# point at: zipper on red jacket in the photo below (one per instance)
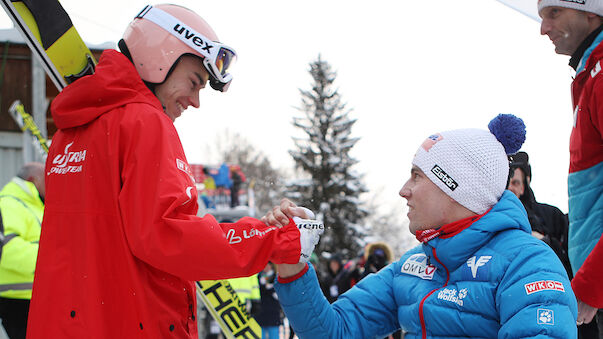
(423, 329)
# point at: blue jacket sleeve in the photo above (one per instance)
(536, 299)
(367, 310)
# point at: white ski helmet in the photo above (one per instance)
(159, 35)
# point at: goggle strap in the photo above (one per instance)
(143, 12)
(189, 36)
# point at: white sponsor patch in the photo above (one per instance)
(417, 265)
(544, 285)
(184, 167)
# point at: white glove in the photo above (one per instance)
(310, 231)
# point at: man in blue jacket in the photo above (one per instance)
(478, 272)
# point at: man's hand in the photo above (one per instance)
(279, 216)
(309, 230)
(586, 313)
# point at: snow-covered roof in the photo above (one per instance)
(13, 35)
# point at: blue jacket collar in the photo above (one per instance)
(507, 214)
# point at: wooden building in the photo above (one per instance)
(23, 78)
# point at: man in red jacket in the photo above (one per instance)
(576, 29)
(121, 244)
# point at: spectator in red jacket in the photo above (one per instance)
(576, 29)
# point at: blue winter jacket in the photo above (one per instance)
(492, 280)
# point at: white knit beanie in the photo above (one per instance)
(471, 165)
(592, 6)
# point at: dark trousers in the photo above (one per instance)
(14, 316)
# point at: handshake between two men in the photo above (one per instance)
(310, 231)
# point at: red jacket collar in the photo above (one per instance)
(448, 230)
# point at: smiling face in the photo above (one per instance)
(567, 27)
(181, 88)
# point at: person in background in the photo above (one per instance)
(338, 279)
(270, 316)
(576, 30)
(238, 178)
(21, 212)
(223, 184)
(377, 255)
(548, 223)
(209, 190)
(478, 272)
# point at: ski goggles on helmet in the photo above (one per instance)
(217, 57)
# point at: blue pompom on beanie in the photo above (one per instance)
(471, 165)
(509, 130)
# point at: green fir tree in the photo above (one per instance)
(330, 186)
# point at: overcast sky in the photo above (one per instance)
(408, 69)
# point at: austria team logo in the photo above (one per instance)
(474, 264)
(68, 162)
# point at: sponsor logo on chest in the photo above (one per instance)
(451, 295)
(475, 263)
(71, 161)
(417, 265)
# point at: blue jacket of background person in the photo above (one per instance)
(222, 178)
(492, 280)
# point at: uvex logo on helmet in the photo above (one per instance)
(187, 34)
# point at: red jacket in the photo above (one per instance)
(585, 181)
(121, 244)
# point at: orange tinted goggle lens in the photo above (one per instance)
(224, 60)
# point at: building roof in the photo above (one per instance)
(12, 35)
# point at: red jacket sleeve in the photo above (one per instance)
(158, 203)
(587, 281)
